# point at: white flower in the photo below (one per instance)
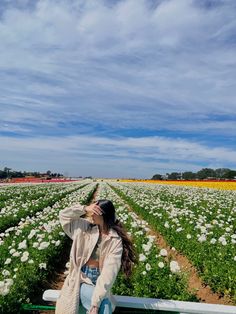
(41, 235)
(174, 267)
(8, 261)
(203, 229)
(202, 238)
(43, 266)
(4, 291)
(166, 225)
(142, 257)
(30, 261)
(221, 239)
(148, 267)
(32, 233)
(25, 256)
(151, 238)
(35, 244)
(213, 241)
(43, 245)
(163, 252)
(189, 236)
(5, 286)
(235, 258)
(161, 265)
(5, 273)
(16, 254)
(134, 224)
(144, 273)
(22, 245)
(9, 282)
(57, 243)
(147, 247)
(12, 251)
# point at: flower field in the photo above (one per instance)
(156, 275)
(200, 223)
(18, 202)
(213, 184)
(28, 250)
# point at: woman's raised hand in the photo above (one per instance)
(93, 209)
(93, 310)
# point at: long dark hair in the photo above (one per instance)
(129, 256)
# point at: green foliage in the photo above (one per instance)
(214, 261)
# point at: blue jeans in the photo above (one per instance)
(86, 291)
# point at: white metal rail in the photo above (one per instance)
(159, 304)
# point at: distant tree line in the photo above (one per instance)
(8, 173)
(205, 173)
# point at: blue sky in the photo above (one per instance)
(124, 88)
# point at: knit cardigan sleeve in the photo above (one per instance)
(70, 219)
(108, 274)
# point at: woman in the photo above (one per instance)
(99, 249)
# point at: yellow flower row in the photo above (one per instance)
(222, 185)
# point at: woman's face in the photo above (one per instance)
(97, 219)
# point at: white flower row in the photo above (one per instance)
(137, 227)
(25, 242)
(190, 212)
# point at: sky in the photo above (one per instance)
(117, 88)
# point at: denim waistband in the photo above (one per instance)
(91, 272)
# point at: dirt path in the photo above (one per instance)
(60, 275)
(195, 283)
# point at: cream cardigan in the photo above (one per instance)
(85, 236)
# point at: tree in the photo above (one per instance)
(206, 173)
(7, 170)
(221, 172)
(174, 176)
(157, 177)
(231, 174)
(3, 174)
(188, 175)
(48, 173)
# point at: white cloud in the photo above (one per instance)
(131, 156)
(120, 65)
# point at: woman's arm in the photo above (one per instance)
(108, 275)
(70, 217)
